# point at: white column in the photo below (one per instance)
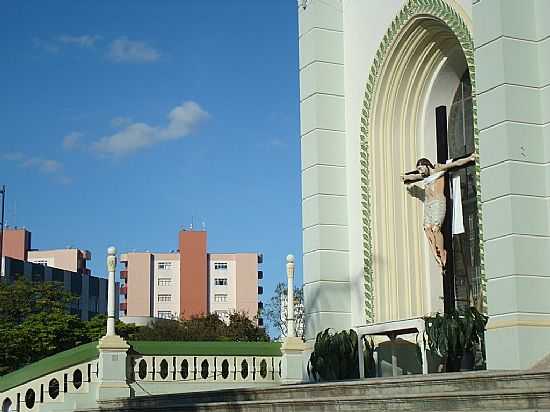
(291, 332)
(292, 370)
(111, 267)
(112, 348)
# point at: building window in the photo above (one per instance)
(164, 265)
(220, 265)
(165, 298)
(165, 281)
(220, 281)
(219, 298)
(42, 262)
(164, 314)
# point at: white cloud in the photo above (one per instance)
(49, 167)
(182, 121)
(72, 141)
(122, 50)
(86, 40)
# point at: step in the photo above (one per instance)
(522, 386)
(504, 400)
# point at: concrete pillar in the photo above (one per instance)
(327, 287)
(513, 79)
(292, 347)
(112, 348)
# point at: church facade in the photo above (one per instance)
(384, 83)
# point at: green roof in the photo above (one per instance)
(207, 348)
(54, 363)
(89, 351)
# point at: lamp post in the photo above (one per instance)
(290, 331)
(292, 362)
(112, 348)
(111, 267)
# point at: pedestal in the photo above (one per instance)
(292, 362)
(112, 369)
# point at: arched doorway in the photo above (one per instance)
(424, 59)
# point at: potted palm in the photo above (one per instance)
(455, 336)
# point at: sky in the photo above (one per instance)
(123, 122)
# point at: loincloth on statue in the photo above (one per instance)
(434, 211)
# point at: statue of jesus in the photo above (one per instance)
(434, 201)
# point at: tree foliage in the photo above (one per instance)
(204, 328)
(274, 309)
(35, 322)
(96, 328)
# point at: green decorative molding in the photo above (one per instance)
(445, 13)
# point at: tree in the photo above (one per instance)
(96, 328)
(275, 310)
(35, 323)
(207, 327)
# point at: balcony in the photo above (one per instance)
(124, 290)
(124, 274)
(260, 305)
(260, 258)
(260, 290)
(260, 321)
(124, 306)
(260, 274)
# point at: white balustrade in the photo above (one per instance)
(77, 384)
(53, 388)
(207, 369)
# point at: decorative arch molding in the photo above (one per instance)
(443, 12)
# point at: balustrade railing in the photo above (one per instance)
(214, 369)
(50, 389)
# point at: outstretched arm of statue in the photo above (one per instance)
(411, 177)
(458, 163)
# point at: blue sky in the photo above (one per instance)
(125, 121)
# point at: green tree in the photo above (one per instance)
(96, 328)
(35, 323)
(207, 327)
(242, 328)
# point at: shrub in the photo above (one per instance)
(334, 356)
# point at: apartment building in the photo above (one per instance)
(66, 266)
(189, 282)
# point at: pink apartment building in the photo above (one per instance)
(189, 282)
(17, 245)
(65, 266)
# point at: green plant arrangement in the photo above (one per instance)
(455, 335)
(334, 356)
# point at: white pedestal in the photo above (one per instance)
(112, 369)
(292, 362)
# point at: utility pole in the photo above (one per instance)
(3, 192)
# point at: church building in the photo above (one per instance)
(384, 83)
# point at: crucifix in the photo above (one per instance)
(438, 204)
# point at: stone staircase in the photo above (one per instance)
(470, 391)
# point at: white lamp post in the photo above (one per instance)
(111, 268)
(292, 370)
(112, 348)
(290, 331)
